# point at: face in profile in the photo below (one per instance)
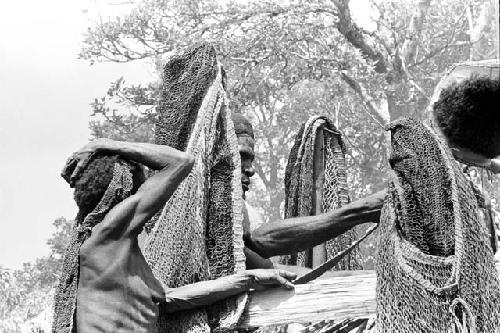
(246, 148)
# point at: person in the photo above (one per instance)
(467, 115)
(116, 289)
(287, 236)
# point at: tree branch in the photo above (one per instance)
(414, 32)
(354, 35)
(262, 174)
(382, 117)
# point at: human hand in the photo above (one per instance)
(262, 279)
(79, 159)
(494, 166)
(370, 207)
(467, 156)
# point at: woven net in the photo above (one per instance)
(198, 235)
(299, 187)
(65, 298)
(435, 267)
(186, 79)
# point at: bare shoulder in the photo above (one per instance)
(114, 225)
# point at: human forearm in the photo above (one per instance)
(253, 260)
(300, 233)
(153, 156)
(206, 292)
(209, 292)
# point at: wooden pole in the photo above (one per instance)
(318, 252)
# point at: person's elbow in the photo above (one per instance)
(259, 242)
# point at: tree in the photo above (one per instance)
(28, 292)
(288, 60)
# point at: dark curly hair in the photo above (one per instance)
(93, 182)
(468, 114)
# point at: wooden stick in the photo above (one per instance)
(317, 272)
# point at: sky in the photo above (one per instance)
(45, 92)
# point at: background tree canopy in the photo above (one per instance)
(26, 295)
(287, 60)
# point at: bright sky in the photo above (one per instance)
(45, 93)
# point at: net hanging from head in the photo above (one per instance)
(300, 188)
(119, 188)
(435, 267)
(198, 235)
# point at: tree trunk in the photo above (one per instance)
(275, 189)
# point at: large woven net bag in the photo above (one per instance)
(198, 235)
(435, 266)
(300, 188)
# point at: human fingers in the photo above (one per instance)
(283, 282)
(290, 276)
(83, 160)
(69, 167)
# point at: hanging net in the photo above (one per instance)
(198, 235)
(435, 266)
(300, 188)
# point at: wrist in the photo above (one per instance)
(244, 280)
(106, 146)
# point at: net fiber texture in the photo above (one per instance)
(198, 235)
(435, 267)
(65, 298)
(299, 186)
(186, 80)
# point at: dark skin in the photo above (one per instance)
(246, 145)
(286, 236)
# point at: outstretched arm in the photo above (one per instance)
(469, 157)
(129, 216)
(297, 234)
(208, 292)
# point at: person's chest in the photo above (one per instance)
(117, 289)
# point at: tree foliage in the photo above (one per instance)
(26, 294)
(288, 60)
